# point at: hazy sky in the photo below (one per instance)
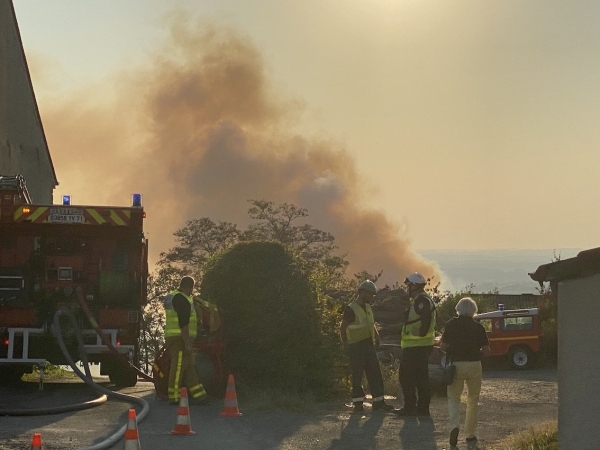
(470, 123)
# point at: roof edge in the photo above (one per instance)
(586, 263)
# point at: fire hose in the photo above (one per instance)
(111, 440)
(87, 378)
(105, 340)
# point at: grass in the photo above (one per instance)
(391, 382)
(50, 372)
(544, 437)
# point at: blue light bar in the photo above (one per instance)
(66, 200)
(136, 200)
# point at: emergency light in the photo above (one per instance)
(136, 200)
(66, 200)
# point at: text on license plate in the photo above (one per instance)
(67, 218)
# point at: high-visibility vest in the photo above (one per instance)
(413, 324)
(172, 321)
(363, 326)
(211, 318)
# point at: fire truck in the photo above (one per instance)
(89, 259)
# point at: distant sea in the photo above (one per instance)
(505, 270)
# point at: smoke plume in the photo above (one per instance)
(199, 131)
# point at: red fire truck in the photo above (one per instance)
(90, 259)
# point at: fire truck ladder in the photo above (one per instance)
(24, 358)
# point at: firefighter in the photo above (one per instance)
(360, 338)
(180, 332)
(417, 337)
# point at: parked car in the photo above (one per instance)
(514, 334)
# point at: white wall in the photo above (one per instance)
(579, 363)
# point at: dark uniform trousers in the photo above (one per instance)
(414, 377)
(363, 359)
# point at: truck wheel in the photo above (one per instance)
(520, 357)
(11, 375)
(214, 384)
(123, 378)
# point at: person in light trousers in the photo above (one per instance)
(465, 342)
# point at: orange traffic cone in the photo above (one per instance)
(36, 442)
(132, 438)
(183, 426)
(231, 405)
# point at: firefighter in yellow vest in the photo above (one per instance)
(360, 337)
(180, 332)
(417, 338)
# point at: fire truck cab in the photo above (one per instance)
(90, 258)
(514, 334)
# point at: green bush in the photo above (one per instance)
(271, 326)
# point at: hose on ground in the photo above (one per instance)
(63, 408)
(55, 409)
(111, 440)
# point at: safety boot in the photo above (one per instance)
(405, 412)
(382, 406)
(357, 407)
(202, 400)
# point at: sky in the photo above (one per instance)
(400, 125)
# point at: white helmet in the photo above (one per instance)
(415, 278)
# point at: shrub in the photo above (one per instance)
(271, 328)
(544, 437)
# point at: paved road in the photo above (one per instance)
(511, 401)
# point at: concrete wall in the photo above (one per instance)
(23, 148)
(579, 363)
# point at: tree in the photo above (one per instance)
(197, 241)
(153, 324)
(313, 251)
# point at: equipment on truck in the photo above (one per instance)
(90, 259)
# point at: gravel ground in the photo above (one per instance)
(511, 401)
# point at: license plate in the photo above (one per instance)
(66, 215)
(63, 218)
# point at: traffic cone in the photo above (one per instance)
(132, 438)
(183, 426)
(36, 442)
(231, 405)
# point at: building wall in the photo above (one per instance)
(23, 148)
(579, 363)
